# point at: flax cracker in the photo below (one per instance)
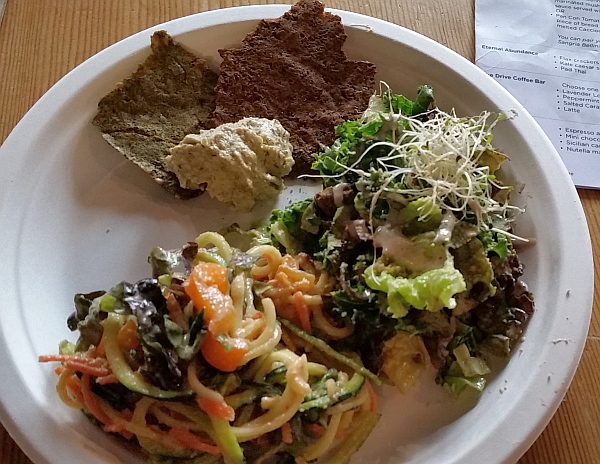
(294, 69)
(169, 96)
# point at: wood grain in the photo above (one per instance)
(40, 41)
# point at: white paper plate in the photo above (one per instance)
(74, 216)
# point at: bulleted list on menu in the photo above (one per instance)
(547, 54)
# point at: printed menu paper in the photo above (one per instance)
(546, 53)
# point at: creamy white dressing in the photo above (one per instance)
(444, 232)
(402, 250)
(338, 195)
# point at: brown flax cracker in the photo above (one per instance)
(293, 69)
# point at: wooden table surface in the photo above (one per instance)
(41, 40)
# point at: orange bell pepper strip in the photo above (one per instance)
(372, 396)
(127, 336)
(226, 359)
(303, 311)
(217, 409)
(211, 274)
(208, 289)
(186, 438)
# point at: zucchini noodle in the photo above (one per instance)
(191, 419)
(271, 259)
(198, 387)
(346, 421)
(213, 238)
(198, 420)
(321, 446)
(284, 357)
(137, 426)
(249, 296)
(354, 402)
(63, 391)
(270, 336)
(284, 408)
(280, 357)
(242, 294)
(146, 436)
(251, 328)
(141, 410)
(167, 419)
(328, 328)
(313, 300)
(262, 393)
(237, 291)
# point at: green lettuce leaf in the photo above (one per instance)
(430, 291)
(330, 253)
(472, 261)
(353, 138)
(164, 261)
(492, 159)
(420, 215)
(294, 227)
(495, 243)
(455, 380)
(456, 384)
(399, 103)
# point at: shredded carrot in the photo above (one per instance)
(59, 369)
(176, 312)
(286, 433)
(303, 312)
(261, 440)
(74, 386)
(96, 406)
(280, 279)
(288, 311)
(100, 351)
(372, 396)
(341, 434)
(316, 429)
(127, 336)
(127, 414)
(218, 409)
(97, 367)
(118, 427)
(86, 368)
(287, 340)
(192, 441)
(71, 357)
(92, 403)
(107, 379)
